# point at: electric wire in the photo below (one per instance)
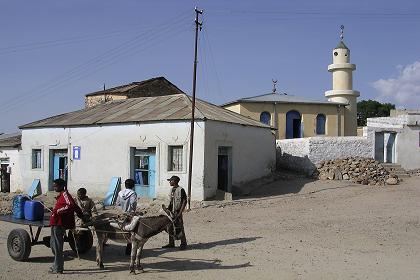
(128, 48)
(110, 54)
(61, 42)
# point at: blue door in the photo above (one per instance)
(60, 165)
(144, 172)
(293, 125)
(56, 167)
(152, 172)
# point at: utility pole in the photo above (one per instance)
(198, 26)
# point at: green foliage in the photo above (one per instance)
(372, 109)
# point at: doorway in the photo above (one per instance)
(293, 124)
(224, 169)
(379, 146)
(385, 147)
(5, 177)
(143, 171)
(58, 166)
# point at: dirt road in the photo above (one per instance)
(303, 230)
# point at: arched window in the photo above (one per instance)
(320, 124)
(293, 125)
(265, 117)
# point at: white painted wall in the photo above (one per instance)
(408, 148)
(15, 175)
(407, 143)
(105, 152)
(253, 153)
(303, 154)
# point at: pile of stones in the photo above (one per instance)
(363, 171)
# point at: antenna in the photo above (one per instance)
(342, 32)
(274, 85)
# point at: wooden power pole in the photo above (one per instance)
(198, 26)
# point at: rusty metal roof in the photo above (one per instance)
(10, 140)
(145, 109)
(151, 87)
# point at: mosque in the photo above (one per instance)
(297, 117)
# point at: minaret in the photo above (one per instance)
(342, 91)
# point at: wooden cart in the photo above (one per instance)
(20, 242)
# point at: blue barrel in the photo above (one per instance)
(34, 210)
(18, 206)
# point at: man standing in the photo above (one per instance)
(62, 218)
(178, 201)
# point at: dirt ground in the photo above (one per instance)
(302, 230)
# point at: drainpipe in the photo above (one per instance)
(69, 155)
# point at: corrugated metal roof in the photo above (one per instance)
(282, 98)
(12, 140)
(151, 87)
(144, 109)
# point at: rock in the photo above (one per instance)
(323, 177)
(391, 181)
(330, 175)
(338, 175)
(346, 177)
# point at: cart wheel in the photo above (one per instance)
(19, 244)
(84, 240)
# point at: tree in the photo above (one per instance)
(372, 109)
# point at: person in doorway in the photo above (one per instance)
(178, 201)
(86, 204)
(62, 218)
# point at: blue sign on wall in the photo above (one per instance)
(76, 152)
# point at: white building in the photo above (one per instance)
(147, 139)
(396, 138)
(9, 162)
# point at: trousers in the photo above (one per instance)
(56, 243)
(179, 232)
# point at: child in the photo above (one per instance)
(86, 204)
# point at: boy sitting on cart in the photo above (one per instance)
(87, 205)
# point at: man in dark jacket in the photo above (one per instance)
(62, 218)
(178, 201)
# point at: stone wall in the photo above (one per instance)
(304, 153)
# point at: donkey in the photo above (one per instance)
(146, 228)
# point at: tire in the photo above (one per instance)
(19, 244)
(84, 240)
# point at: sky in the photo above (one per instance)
(52, 53)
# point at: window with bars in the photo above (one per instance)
(175, 158)
(36, 158)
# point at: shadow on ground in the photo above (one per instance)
(278, 183)
(115, 260)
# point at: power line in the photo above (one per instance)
(108, 58)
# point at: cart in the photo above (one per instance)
(20, 242)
